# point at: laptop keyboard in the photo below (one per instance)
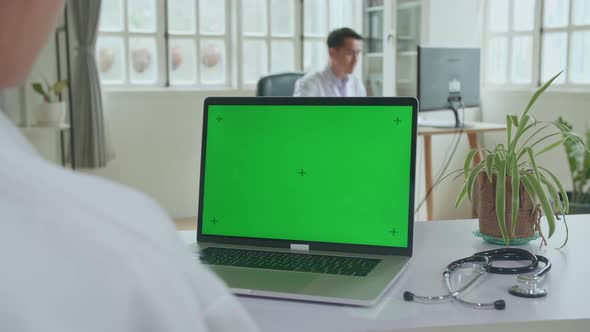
(272, 260)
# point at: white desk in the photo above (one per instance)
(564, 309)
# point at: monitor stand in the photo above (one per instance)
(423, 122)
(454, 100)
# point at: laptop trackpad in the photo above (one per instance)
(261, 279)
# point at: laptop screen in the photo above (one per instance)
(313, 173)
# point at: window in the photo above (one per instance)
(133, 48)
(129, 48)
(269, 38)
(193, 43)
(529, 41)
(320, 17)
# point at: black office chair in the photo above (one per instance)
(277, 85)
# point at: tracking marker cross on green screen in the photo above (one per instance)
(338, 174)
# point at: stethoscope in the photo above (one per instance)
(528, 281)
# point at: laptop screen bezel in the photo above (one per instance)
(313, 245)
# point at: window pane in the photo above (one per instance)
(315, 18)
(581, 12)
(143, 60)
(111, 15)
(374, 79)
(212, 16)
(255, 60)
(254, 17)
(213, 61)
(580, 57)
(110, 59)
(341, 14)
(553, 56)
(497, 60)
(181, 16)
(375, 32)
(498, 15)
(522, 59)
(555, 13)
(141, 15)
(314, 55)
(182, 66)
(524, 15)
(282, 54)
(282, 15)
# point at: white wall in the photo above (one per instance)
(156, 135)
(454, 23)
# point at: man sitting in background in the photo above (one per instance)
(79, 253)
(336, 80)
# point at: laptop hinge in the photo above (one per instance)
(304, 247)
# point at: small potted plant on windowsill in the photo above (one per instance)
(52, 111)
(514, 189)
(578, 159)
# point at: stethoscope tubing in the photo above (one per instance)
(485, 258)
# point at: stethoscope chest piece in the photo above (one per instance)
(528, 287)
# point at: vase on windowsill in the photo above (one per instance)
(51, 114)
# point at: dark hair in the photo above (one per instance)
(336, 38)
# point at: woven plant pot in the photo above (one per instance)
(528, 214)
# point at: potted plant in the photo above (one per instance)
(578, 159)
(52, 111)
(513, 187)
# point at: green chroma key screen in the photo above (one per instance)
(338, 174)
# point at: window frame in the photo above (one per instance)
(233, 38)
(537, 54)
(268, 37)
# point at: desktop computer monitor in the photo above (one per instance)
(448, 79)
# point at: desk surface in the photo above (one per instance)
(436, 244)
(474, 127)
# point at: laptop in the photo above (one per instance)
(307, 198)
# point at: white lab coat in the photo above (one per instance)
(79, 253)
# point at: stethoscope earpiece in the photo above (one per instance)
(408, 296)
(499, 305)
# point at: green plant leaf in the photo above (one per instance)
(533, 163)
(38, 87)
(557, 207)
(515, 197)
(539, 93)
(508, 128)
(59, 86)
(490, 166)
(522, 128)
(514, 120)
(533, 135)
(472, 177)
(567, 233)
(462, 194)
(501, 201)
(562, 192)
(468, 160)
(551, 147)
(545, 205)
(528, 186)
(586, 158)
